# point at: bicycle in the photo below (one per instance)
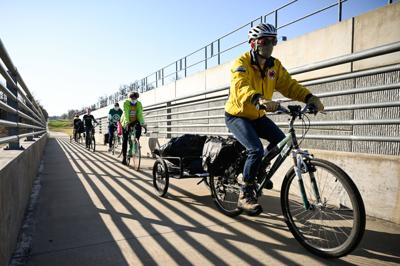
(90, 140)
(134, 151)
(323, 210)
(115, 142)
(76, 136)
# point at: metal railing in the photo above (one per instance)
(211, 54)
(20, 114)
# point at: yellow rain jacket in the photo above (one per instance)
(248, 80)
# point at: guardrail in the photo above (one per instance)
(206, 115)
(21, 111)
(211, 54)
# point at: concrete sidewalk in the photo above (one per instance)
(94, 211)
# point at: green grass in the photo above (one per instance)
(61, 125)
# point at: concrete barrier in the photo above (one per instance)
(18, 170)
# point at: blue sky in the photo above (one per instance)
(70, 53)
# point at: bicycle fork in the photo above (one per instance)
(301, 165)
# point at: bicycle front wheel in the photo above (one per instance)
(334, 222)
(93, 145)
(225, 192)
(136, 155)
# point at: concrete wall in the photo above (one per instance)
(18, 170)
(377, 28)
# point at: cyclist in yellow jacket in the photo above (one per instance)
(132, 118)
(255, 75)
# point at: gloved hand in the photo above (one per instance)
(314, 100)
(269, 106)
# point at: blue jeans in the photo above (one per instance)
(248, 133)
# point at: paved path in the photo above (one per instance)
(94, 211)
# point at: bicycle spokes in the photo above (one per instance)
(331, 219)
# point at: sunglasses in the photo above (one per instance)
(267, 41)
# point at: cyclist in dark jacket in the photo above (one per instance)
(77, 124)
(114, 115)
(89, 127)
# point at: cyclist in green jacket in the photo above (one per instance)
(132, 118)
(255, 76)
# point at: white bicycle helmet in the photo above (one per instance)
(262, 30)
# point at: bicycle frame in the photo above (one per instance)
(300, 160)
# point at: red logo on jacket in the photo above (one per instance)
(271, 74)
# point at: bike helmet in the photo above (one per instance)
(262, 30)
(134, 95)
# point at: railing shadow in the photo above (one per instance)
(222, 240)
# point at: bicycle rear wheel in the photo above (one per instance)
(225, 193)
(136, 155)
(332, 226)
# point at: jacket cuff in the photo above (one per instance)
(255, 98)
(308, 96)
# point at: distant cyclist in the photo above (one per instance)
(255, 76)
(77, 126)
(89, 127)
(132, 118)
(114, 115)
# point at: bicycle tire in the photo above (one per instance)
(316, 243)
(93, 144)
(219, 185)
(136, 156)
(160, 177)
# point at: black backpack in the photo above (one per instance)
(219, 153)
(187, 145)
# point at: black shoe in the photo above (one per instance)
(124, 162)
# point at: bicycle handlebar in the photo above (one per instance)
(296, 110)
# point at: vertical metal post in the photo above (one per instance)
(13, 131)
(176, 70)
(276, 19)
(219, 52)
(30, 138)
(205, 57)
(185, 68)
(339, 10)
(156, 79)
(168, 120)
(162, 75)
